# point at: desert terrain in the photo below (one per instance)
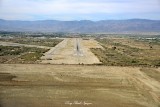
(78, 85)
(78, 72)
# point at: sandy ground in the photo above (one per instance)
(38, 85)
(66, 52)
(133, 43)
(17, 44)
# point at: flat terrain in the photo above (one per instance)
(25, 50)
(17, 44)
(20, 54)
(72, 51)
(37, 85)
(68, 74)
(128, 51)
(41, 42)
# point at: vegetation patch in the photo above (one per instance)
(116, 53)
(33, 41)
(17, 54)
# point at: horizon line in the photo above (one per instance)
(82, 19)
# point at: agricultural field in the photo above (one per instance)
(128, 52)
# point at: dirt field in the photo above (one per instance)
(26, 85)
(66, 52)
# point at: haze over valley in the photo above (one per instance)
(83, 26)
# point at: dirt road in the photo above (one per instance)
(40, 85)
(18, 44)
(72, 51)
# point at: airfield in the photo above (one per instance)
(72, 51)
(73, 74)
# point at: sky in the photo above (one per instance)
(79, 9)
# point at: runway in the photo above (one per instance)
(72, 51)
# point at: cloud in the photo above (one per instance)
(76, 9)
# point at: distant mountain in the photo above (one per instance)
(83, 26)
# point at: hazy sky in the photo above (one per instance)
(79, 9)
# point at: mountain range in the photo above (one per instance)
(83, 26)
